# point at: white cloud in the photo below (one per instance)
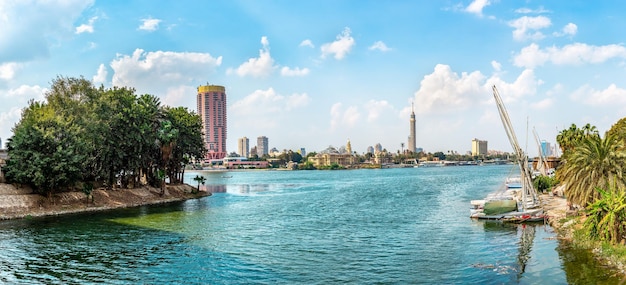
(445, 91)
(612, 95)
(543, 104)
(496, 66)
(154, 72)
(376, 108)
(573, 54)
(540, 10)
(307, 43)
(531, 56)
(343, 118)
(30, 29)
(379, 45)
(526, 28)
(267, 108)
(477, 6)
(262, 66)
(340, 47)
(7, 70)
(26, 92)
(297, 100)
(149, 24)
(525, 84)
(176, 95)
(86, 28)
(570, 29)
(286, 71)
(101, 75)
(19, 96)
(7, 121)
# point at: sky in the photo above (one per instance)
(310, 74)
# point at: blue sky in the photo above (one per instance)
(317, 73)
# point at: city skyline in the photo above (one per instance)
(312, 74)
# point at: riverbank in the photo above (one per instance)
(566, 223)
(17, 203)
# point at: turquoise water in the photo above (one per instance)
(390, 226)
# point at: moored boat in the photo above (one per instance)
(523, 197)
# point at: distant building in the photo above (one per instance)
(479, 147)
(303, 152)
(243, 163)
(329, 158)
(274, 152)
(262, 146)
(412, 147)
(253, 152)
(211, 101)
(370, 149)
(546, 149)
(349, 147)
(243, 147)
(378, 147)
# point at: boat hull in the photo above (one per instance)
(495, 207)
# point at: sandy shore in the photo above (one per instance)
(555, 208)
(16, 203)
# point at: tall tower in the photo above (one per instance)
(349, 147)
(412, 146)
(262, 146)
(243, 147)
(212, 110)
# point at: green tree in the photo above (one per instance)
(167, 136)
(199, 179)
(189, 143)
(606, 216)
(440, 155)
(45, 151)
(568, 139)
(594, 163)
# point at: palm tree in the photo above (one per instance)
(594, 163)
(199, 179)
(569, 138)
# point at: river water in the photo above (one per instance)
(390, 226)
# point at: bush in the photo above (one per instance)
(543, 183)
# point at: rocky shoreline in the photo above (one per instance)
(18, 203)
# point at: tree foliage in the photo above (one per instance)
(45, 151)
(103, 136)
(606, 216)
(593, 163)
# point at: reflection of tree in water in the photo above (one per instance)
(527, 236)
(581, 267)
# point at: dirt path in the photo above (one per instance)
(555, 207)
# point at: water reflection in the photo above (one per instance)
(241, 188)
(527, 236)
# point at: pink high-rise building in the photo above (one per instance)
(212, 110)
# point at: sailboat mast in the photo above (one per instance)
(522, 159)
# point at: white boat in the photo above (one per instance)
(513, 182)
(526, 198)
